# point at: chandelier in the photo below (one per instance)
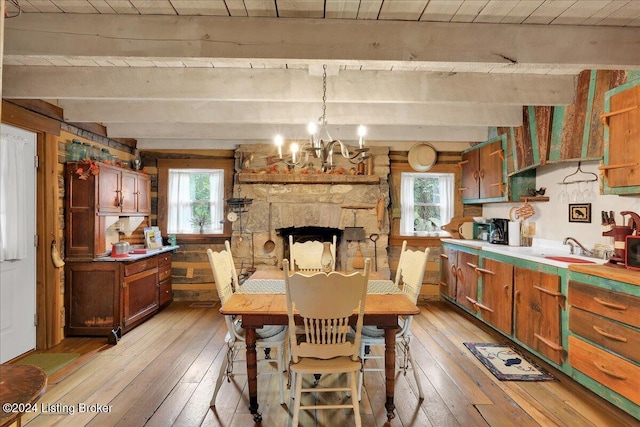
(320, 144)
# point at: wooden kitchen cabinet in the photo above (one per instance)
(448, 266)
(621, 166)
(458, 279)
(113, 191)
(466, 280)
(496, 304)
(483, 174)
(164, 279)
(538, 306)
(604, 338)
(102, 296)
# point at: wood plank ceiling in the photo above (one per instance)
(215, 73)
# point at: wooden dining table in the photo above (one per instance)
(261, 301)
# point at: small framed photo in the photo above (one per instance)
(580, 212)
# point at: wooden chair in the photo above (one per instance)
(409, 275)
(327, 345)
(307, 256)
(226, 278)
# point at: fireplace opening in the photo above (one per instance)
(305, 234)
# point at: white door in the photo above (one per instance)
(18, 252)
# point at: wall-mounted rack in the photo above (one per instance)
(575, 181)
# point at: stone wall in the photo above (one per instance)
(310, 204)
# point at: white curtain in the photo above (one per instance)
(13, 198)
(407, 218)
(179, 199)
(216, 203)
(446, 183)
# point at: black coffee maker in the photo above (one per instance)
(499, 231)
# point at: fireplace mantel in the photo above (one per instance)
(325, 178)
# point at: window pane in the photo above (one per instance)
(424, 216)
(425, 190)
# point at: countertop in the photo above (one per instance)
(538, 252)
(135, 257)
(614, 273)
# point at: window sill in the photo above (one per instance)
(201, 238)
(418, 240)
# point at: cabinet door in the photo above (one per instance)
(109, 190)
(497, 294)
(448, 270)
(490, 170)
(128, 193)
(143, 194)
(624, 136)
(467, 287)
(91, 298)
(139, 296)
(538, 305)
(470, 179)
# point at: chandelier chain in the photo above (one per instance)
(324, 93)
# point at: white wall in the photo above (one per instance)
(552, 218)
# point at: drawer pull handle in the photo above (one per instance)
(445, 284)
(549, 343)
(608, 372)
(479, 271)
(444, 256)
(608, 335)
(472, 265)
(610, 304)
(548, 292)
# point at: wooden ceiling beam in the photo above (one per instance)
(265, 133)
(38, 82)
(515, 47)
(441, 114)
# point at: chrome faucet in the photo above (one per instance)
(570, 241)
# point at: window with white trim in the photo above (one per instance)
(195, 201)
(426, 201)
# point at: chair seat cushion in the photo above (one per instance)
(262, 333)
(369, 331)
(309, 365)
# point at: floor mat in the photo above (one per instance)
(49, 362)
(507, 364)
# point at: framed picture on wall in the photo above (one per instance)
(580, 212)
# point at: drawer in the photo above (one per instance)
(164, 272)
(165, 292)
(614, 336)
(141, 265)
(164, 259)
(615, 305)
(609, 370)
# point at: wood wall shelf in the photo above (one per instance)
(257, 178)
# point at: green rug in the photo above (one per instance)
(48, 362)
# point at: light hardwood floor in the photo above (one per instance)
(163, 372)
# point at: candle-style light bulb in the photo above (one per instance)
(294, 152)
(362, 131)
(279, 141)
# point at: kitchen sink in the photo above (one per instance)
(570, 259)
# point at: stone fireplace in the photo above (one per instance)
(310, 205)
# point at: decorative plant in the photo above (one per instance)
(200, 219)
(92, 169)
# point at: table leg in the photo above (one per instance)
(252, 373)
(390, 369)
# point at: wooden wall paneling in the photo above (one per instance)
(574, 119)
(523, 140)
(594, 128)
(543, 119)
(511, 159)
